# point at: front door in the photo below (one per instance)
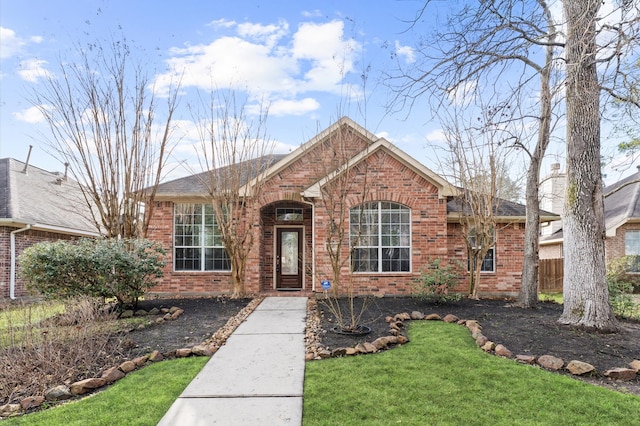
(289, 254)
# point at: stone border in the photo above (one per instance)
(111, 375)
(315, 351)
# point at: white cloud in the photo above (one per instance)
(436, 136)
(222, 23)
(33, 69)
(276, 65)
(10, 43)
(292, 107)
(316, 13)
(406, 52)
(463, 93)
(30, 115)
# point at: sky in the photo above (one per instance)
(305, 58)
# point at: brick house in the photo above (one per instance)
(411, 218)
(622, 222)
(35, 206)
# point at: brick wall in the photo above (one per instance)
(380, 178)
(23, 240)
(614, 246)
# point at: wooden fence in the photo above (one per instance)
(550, 275)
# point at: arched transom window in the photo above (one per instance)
(380, 235)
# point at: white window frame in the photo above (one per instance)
(380, 247)
(492, 250)
(202, 238)
(630, 250)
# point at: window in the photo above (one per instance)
(197, 241)
(632, 248)
(380, 235)
(288, 215)
(489, 262)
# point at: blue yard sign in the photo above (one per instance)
(326, 284)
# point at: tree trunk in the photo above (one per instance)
(586, 296)
(528, 295)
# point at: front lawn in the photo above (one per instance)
(442, 377)
(140, 399)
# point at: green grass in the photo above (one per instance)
(141, 398)
(551, 297)
(443, 378)
(16, 320)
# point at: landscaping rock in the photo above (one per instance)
(113, 374)
(417, 315)
(201, 350)
(402, 340)
(87, 385)
(626, 374)
(360, 348)
(160, 320)
(388, 319)
(167, 317)
(476, 333)
(183, 352)
(154, 311)
(8, 410)
(339, 352)
(526, 359)
(127, 366)
(381, 342)
(471, 324)
(164, 310)
(579, 368)
(351, 351)
(140, 361)
(450, 318)
(489, 346)
(31, 402)
(58, 393)
(126, 314)
(481, 340)
(141, 313)
(404, 316)
(323, 353)
(174, 309)
(309, 357)
(177, 313)
(503, 351)
(155, 356)
(550, 362)
(433, 317)
(370, 348)
(635, 364)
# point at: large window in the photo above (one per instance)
(197, 244)
(632, 248)
(380, 235)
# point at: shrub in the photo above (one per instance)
(109, 268)
(621, 285)
(437, 280)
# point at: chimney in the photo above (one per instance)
(555, 168)
(66, 170)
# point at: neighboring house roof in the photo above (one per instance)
(30, 196)
(622, 203)
(621, 206)
(197, 186)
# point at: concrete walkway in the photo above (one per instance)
(256, 378)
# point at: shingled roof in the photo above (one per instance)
(196, 185)
(622, 202)
(44, 200)
(504, 210)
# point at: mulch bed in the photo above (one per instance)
(523, 331)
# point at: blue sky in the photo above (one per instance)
(304, 57)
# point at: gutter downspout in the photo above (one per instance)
(12, 278)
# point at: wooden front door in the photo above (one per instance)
(289, 258)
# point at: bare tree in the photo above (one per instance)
(476, 159)
(503, 47)
(344, 162)
(586, 295)
(102, 114)
(235, 151)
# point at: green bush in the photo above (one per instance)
(621, 285)
(437, 280)
(110, 268)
